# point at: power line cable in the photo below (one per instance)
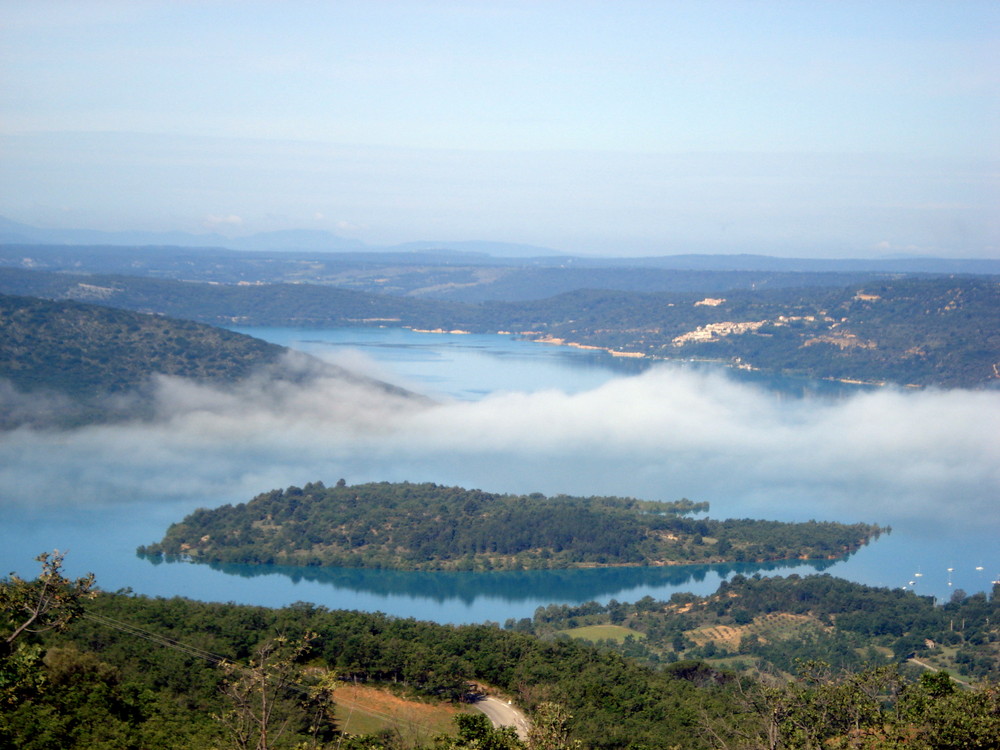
(220, 660)
(161, 640)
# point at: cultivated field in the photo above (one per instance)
(769, 628)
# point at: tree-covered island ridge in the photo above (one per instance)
(431, 527)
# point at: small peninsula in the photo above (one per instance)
(68, 364)
(426, 526)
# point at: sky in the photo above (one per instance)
(832, 129)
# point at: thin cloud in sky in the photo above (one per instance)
(642, 77)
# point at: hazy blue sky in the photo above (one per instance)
(791, 128)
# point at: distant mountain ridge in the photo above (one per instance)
(286, 240)
(321, 241)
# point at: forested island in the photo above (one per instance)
(430, 527)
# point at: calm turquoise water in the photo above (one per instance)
(470, 366)
(518, 417)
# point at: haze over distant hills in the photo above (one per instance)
(908, 321)
(480, 251)
(917, 329)
(303, 240)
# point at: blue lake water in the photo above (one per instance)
(517, 416)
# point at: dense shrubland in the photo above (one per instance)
(427, 526)
(100, 682)
(754, 621)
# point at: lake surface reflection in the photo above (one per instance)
(464, 597)
(516, 586)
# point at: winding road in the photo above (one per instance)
(503, 714)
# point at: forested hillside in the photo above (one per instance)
(430, 527)
(69, 363)
(923, 331)
(916, 330)
(779, 621)
(247, 305)
(85, 349)
(441, 275)
(135, 672)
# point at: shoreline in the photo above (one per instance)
(737, 364)
(731, 364)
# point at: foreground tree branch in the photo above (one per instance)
(50, 602)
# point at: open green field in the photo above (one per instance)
(595, 633)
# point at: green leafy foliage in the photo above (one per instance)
(873, 709)
(166, 697)
(102, 686)
(427, 526)
(49, 602)
(777, 621)
(475, 732)
(268, 699)
(84, 349)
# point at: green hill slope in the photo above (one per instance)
(65, 363)
(85, 349)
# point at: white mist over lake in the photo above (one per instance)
(512, 416)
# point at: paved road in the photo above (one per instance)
(503, 714)
(931, 667)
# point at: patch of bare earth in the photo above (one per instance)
(363, 710)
